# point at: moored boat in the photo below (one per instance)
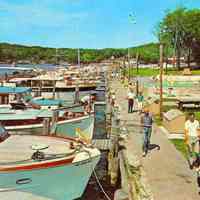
(44, 167)
(32, 121)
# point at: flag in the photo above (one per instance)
(83, 136)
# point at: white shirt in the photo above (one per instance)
(113, 97)
(131, 95)
(192, 127)
(85, 99)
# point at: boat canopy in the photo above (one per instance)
(14, 90)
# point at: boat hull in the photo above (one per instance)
(66, 182)
(63, 128)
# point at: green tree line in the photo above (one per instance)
(36, 54)
(149, 53)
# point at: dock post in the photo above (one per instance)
(54, 122)
(46, 126)
(108, 115)
(54, 89)
(113, 165)
(76, 96)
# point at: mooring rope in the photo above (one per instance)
(96, 176)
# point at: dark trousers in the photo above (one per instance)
(130, 105)
(146, 139)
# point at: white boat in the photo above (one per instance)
(44, 167)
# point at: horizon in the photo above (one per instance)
(82, 23)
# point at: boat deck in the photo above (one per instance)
(18, 148)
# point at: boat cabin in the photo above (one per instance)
(13, 94)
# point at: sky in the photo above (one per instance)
(83, 23)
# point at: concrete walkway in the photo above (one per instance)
(167, 171)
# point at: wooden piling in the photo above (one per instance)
(114, 149)
(76, 96)
(46, 126)
(54, 122)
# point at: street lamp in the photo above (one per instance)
(132, 20)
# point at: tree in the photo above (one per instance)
(171, 31)
(181, 29)
(192, 36)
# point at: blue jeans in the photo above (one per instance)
(146, 139)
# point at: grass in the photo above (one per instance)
(155, 72)
(180, 146)
(197, 114)
(144, 72)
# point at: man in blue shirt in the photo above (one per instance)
(146, 121)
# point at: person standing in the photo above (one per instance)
(113, 98)
(192, 135)
(140, 99)
(131, 86)
(130, 97)
(146, 121)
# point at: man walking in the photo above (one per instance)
(191, 135)
(146, 121)
(130, 97)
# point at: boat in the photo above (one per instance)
(44, 167)
(9, 94)
(20, 113)
(63, 122)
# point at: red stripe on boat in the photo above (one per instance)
(37, 166)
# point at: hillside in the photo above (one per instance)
(36, 54)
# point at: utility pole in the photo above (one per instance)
(137, 69)
(161, 78)
(79, 59)
(137, 62)
(129, 73)
(56, 56)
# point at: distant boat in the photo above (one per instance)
(44, 167)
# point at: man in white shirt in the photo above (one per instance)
(192, 134)
(130, 97)
(85, 99)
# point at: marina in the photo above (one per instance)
(121, 172)
(99, 100)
